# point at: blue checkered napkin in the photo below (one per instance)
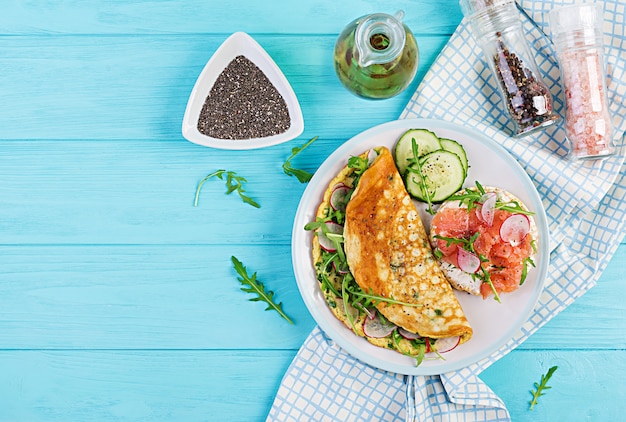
(584, 202)
(586, 208)
(324, 383)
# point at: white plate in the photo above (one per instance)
(493, 323)
(238, 44)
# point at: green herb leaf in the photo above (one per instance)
(302, 175)
(419, 344)
(471, 197)
(528, 262)
(541, 387)
(345, 297)
(359, 164)
(252, 285)
(374, 299)
(233, 183)
(423, 185)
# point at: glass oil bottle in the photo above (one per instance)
(376, 56)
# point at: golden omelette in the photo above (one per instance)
(389, 254)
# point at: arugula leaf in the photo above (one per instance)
(419, 344)
(472, 198)
(252, 285)
(527, 262)
(541, 387)
(327, 285)
(373, 299)
(233, 183)
(302, 175)
(359, 164)
(424, 186)
(345, 297)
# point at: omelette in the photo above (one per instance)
(374, 262)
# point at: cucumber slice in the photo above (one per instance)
(442, 173)
(426, 141)
(453, 146)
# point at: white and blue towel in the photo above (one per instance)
(586, 207)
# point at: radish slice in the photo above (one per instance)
(371, 313)
(325, 242)
(515, 228)
(371, 156)
(338, 198)
(467, 261)
(341, 269)
(407, 334)
(487, 210)
(376, 328)
(444, 345)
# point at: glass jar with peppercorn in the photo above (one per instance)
(497, 27)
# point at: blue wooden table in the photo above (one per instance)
(118, 300)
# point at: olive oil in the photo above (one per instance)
(376, 56)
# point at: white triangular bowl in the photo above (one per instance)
(238, 44)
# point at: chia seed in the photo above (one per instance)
(243, 104)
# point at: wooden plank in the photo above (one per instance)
(139, 297)
(94, 385)
(142, 385)
(136, 88)
(188, 297)
(197, 16)
(142, 193)
(587, 385)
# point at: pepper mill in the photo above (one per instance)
(497, 27)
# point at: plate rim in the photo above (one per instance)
(298, 234)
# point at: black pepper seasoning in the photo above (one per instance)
(498, 30)
(527, 99)
(243, 104)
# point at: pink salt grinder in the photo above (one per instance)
(577, 36)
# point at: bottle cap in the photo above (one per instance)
(473, 7)
(380, 25)
(585, 18)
